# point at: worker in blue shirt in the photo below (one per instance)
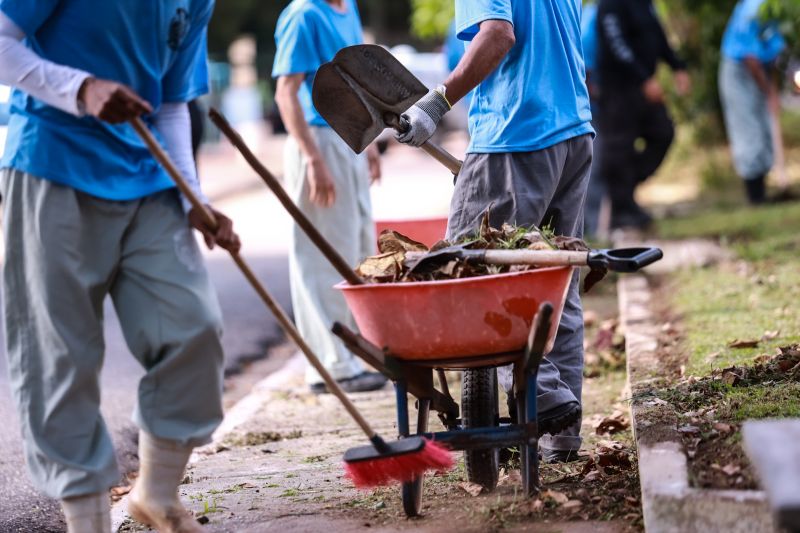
(88, 213)
(749, 93)
(327, 181)
(528, 159)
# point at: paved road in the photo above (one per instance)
(249, 330)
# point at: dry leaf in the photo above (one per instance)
(553, 495)
(723, 428)
(513, 478)
(392, 241)
(689, 430)
(770, 335)
(731, 469)
(738, 344)
(537, 506)
(612, 424)
(473, 489)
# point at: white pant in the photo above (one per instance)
(348, 226)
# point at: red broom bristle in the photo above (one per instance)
(401, 469)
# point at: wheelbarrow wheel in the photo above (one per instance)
(479, 405)
(412, 491)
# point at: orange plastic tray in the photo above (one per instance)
(456, 318)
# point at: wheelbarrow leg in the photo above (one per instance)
(529, 452)
(412, 492)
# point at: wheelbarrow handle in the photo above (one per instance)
(444, 157)
(624, 260)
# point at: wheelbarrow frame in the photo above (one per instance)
(417, 378)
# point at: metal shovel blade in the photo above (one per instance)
(362, 92)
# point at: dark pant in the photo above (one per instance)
(623, 117)
(546, 187)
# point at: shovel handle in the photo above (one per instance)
(288, 327)
(443, 156)
(313, 233)
(543, 258)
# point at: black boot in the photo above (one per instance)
(756, 190)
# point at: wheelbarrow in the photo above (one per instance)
(413, 331)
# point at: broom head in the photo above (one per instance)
(400, 461)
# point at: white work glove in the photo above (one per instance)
(423, 118)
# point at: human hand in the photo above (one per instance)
(423, 118)
(111, 101)
(683, 83)
(652, 91)
(374, 162)
(321, 190)
(222, 235)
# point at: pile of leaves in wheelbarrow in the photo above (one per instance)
(390, 265)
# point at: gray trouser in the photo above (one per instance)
(348, 226)
(747, 120)
(65, 251)
(547, 187)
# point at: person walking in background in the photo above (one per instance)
(631, 105)
(749, 93)
(88, 213)
(327, 181)
(529, 158)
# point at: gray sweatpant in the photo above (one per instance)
(65, 251)
(546, 187)
(348, 226)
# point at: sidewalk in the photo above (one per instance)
(276, 466)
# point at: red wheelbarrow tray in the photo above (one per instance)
(458, 319)
(428, 231)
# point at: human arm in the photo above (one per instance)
(320, 183)
(492, 43)
(683, 82)
(68, 89)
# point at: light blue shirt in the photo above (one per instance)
(157, 48)
(748, 36)
(537, 97)
(589, 36)
(309, 33)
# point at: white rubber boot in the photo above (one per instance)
(154, 499)
(88, 514)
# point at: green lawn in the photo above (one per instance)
(746, 299)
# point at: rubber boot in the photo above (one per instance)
(154, 499)
(88, 514)
(756, 190)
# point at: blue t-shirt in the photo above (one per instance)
(537, 97)
(748, 36)
(156, 48)
(589, 36)
(309, 33)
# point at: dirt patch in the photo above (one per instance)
(708, 414)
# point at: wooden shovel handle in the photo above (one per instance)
(338, 262)
(443, 156)
(544, 258)
(288, 327)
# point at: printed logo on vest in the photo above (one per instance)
(178, 28)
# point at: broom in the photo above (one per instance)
(380, 463)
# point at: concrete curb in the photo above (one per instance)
(236, 417)
(669, 503)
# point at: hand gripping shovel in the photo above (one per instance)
(382, 462)
(619, 260)
(363, 91)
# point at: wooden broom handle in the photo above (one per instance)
(338, 262)
(162, 157)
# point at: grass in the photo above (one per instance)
(780, 400)
(743, 300)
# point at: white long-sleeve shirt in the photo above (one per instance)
(58, 86)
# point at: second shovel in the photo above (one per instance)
(363, 91)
